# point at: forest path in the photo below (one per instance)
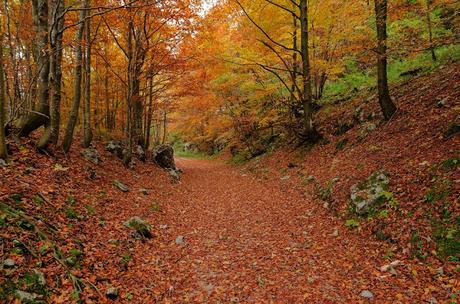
(247, 240)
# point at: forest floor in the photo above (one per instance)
(258, 233)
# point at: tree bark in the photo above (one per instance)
(51, 134)
(40, 114)
(430, 30)
(3, 149)
(87, 132)
(310, 133)
(68, 137)
(386, 104)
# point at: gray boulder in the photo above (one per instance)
(370, 193)
(122, 187)
(141, 153)
(163, 156)
(91, 155)
(115, 147)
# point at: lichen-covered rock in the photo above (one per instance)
(112, 293)
(115, 147)
(91, 155)
(163, 156)
(368, 194)
(140, 226)
(141, 153)
(122, 187)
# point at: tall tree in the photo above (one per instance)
(310, 131)
(39, 116)
(87, 132)
(68, 137)
(51, 134)
(3, 149)
(386, 104)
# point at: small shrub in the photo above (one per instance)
(71, 214)
(452, 129)
(341, 144)
(352, 223)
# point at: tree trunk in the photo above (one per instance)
(310, 133)
(87, 132)
(40, 115)
(68, 137)
(3, 149)
(386, 104)
(51, 134)
(430, 30)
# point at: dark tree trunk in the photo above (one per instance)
(87, 132)
(68, 137)
(40, 114)
(310, 133)
(51, 134)
(386, 104)
(3, 149)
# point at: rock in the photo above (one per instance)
(112, 293)
(311, 178)
(335, 180)
(140, 226)
(40, 277)
(141, 153)
(91, 155)
(9, 263)
(371, 127)
(144, 191)
(115, 147)
(367, 294)
(442, 103)
(122, 187)
(163, 227)
(439, 271)
(433, 301)
(174, 175)
(367, 194)
(25, 297)
(335, 232)
(391, 267)
(285, 177)
(2, 162)
(163, 156)
(180, 240)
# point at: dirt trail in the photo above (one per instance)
(255, 241)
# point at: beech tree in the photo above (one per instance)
(386, 104)
(3, 148)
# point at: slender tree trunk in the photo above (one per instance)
(295, 67)
(148, 124)
(430, 30)
(108, 124)
(3, 149)
(51, 134)
(40, 115)
(129, 102)
(12, 51)
(165, 119)
(310, 132)
(386, 104)
(87, 132)
(68, 137)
